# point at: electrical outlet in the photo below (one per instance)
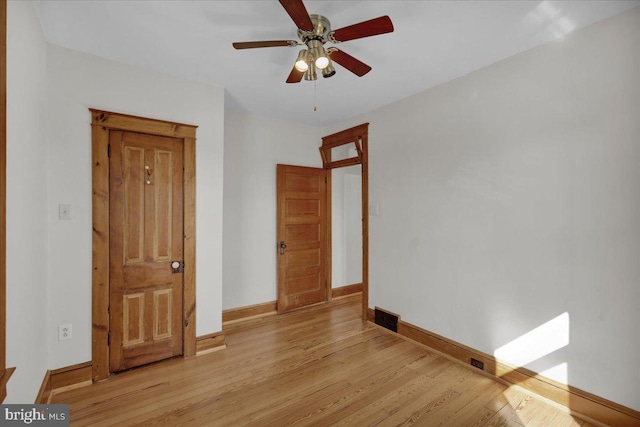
(478, 364)
(64, 332)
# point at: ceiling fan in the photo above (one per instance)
(314, 31)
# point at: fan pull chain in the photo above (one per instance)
(315, 95)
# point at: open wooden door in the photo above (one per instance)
(146, 248)
(302, 230)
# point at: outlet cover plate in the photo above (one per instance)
(65, 332)
(477, 363)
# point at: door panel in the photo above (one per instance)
(146, 235)
(302, 232)
(132, 313)
(302, 227)
(303, 207)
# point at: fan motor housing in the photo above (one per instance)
(322, 28)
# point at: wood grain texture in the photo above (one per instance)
(302, 228)
(5, 375)
(146, 223)
(342, 163)
(211, 342)
(345, 136)
(266, 43)
(239, 313)
(45, 389)
(347, 290)
(100, 251)
(364, 146)
(3, 190)
(74, 375)
(317, 366)
(583, 404)
(102, 123)
(64, 379)
(189, 276)
(118, 121)
(371, 27)
(298, 13)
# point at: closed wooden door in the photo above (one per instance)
(146, 237)
(302, 229)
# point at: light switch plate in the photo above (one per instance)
(64, 211)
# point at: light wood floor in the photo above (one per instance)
(319, 366)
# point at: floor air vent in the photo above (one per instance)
(386, 319)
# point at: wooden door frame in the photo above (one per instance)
(360, 136)
(102, 122)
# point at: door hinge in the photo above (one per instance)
(109, 150)
(109, 339)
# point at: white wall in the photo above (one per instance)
(338, 230)
(26, 202)
(353, 224)
(510, 196)
(77, 82)
(346, 226)
(253, 147)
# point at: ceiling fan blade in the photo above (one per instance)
(352, 64)
(266, 43)
(372, 27)
(299, 14)
(295, 76)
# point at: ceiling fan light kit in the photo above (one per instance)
(302, 63)
(311, 74)
(329, 71)
(318, 54)
(314, 31)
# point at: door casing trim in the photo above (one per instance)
(359, 135)
(102, 122)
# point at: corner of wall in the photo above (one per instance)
(27, 231)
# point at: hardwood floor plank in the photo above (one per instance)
(320, 366)
(472, 402)
(379, 410)
(446, 394)
(372, 380)
(480, 418)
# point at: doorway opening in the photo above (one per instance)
(346, 230)
(304, 229)
(345, 156)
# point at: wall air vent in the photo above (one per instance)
(386, 319)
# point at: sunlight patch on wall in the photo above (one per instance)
(559, 373)
(549, 18)
(537, 343)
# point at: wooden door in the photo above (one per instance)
(302, 229)
(146, 237)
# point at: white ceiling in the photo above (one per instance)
(433, 42)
